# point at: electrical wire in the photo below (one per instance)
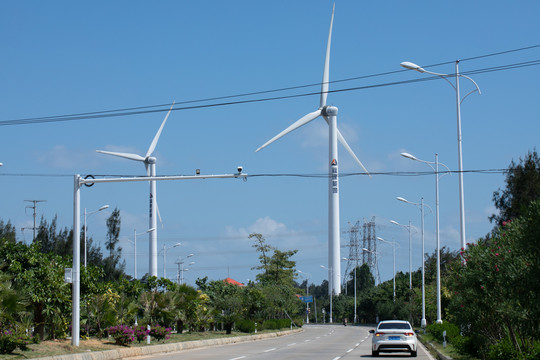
(316, 176)
(146, 109)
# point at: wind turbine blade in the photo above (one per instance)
(123, 155)
(302, 121)
(326, 72)
(159, 215)
(158, 134)
(344, 143)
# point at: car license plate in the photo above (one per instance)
(393, 338)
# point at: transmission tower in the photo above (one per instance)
(369, 242)
(354, 251)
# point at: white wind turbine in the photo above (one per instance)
(329, 113)
(150, 164)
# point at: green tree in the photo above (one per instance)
(113, 268)
(522, 187)
(495, 294)
(7, 231)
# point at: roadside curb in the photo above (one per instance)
(164, 348)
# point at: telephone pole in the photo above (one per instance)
(33, 207)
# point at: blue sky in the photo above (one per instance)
(62, 57)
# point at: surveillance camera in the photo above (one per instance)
(240, 168)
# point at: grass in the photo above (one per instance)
(449, 351)
(63, 346)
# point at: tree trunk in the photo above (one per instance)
(179, 326)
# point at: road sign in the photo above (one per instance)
(307, 299)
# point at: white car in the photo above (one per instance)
(393, 336)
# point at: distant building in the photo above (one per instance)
(232, 281)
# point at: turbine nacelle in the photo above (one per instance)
(329, 111)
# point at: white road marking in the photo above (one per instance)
(336, 358)
(238, 358)
(356, 345)
(307, 340)
(291, 344)
(272, 349)
(350, 350)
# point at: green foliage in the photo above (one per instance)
(12, 339)
(437, 330)
(522, 187)
(276, 324)
(278, 269)
(245, 325)
(495, 294)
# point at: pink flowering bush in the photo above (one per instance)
(122, 334)
(160, 332)
(141, 332)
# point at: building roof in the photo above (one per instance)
(232, 281)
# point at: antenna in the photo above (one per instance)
(33, 207)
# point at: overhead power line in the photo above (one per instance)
(130, 111)
(319, 176)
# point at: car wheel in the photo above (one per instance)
(374, 353)
(413, 353)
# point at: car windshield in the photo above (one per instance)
(394, 325)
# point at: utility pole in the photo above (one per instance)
(33, 207)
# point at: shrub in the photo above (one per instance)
(160, 332)
(10, 340)
(452, 331)
(122, 334)
(140, 332)
(246, 326)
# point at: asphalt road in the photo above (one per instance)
(324, 342)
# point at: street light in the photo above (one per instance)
(85, 216)
(436, 169)
(408, 227)
(331, 292)
(165, 248)
(394, 256)
(307, 294)
(459, 100)
(181, 269)
(134, 242)
(421, 205)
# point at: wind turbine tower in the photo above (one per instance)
(150, 164)
(329, 113)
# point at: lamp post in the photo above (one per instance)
(307, 294)
(408, 227)
(165, 248)
(421, 205)
(331, 292)
(394, 256)
(181, 269)
(436, 169)
(459, 100)
(85, 216)
(134, 242)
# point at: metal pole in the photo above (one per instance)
(135, 253)
(460, 162)
(410, 256)
(394, 253)
(423, 321)
(333, 203)
(84, 237)
(439, 320)
(75, 299)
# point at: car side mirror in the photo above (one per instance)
(372, 331)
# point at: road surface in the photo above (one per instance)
(324, 342)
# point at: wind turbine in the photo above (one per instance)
(329, 113)
(150, 164)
